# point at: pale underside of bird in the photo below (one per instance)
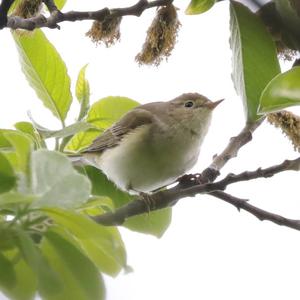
(153, 144)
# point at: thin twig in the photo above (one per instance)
(231, 151)
(287, 165)
(50, 5)
(57, 16)
(257, 212)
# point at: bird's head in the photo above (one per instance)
(193, 110)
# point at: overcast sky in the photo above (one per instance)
(210, 251)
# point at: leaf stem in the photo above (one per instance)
(64, 142)
(56, 144)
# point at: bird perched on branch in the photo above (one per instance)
(153, 144)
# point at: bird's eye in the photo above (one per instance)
(189, 104)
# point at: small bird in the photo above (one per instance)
(153, 144)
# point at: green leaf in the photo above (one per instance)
(97, 205)
(7, 237)
(81, 278)
(26, 281)
(49, 283)
(4, 143)
(289, 12)
(82, 86)
(60, 3)
(255, 60)
(56, 182)
(101, 186)
(281, 92)
(45, 71)
(103, 245)
(28, 128)
(199, 6)
(83, 93)
(296, 6)
(7, 175)
(7, 273)
(15, 197)
(22, 146)
(81, 140)
(13, 6)
(102, 115)
(155, 223)
(13, 160)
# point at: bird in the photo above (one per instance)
(153, 144)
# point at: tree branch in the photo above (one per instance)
(4, 8)
(287, 165)
(57, 16)
(168, 198)
(231, 151)
(257, 212)
(50, 5)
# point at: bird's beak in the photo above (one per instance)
(213, 105)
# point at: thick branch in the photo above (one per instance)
(170, 197)
(257, 212)
(57, 16)
(231, 151)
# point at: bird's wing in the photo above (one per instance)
(112, 136)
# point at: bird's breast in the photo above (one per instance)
(146, 160)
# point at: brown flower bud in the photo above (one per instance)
(28, 8)
(106, 31)
(289, 124)
(161, 37)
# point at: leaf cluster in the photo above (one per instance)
(48, 243)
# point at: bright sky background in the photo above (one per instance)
(210, 251)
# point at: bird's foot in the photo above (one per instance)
(189, 180)
(147, 200)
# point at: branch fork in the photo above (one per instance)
(208, 185)
(56, 16)
(169, 197)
